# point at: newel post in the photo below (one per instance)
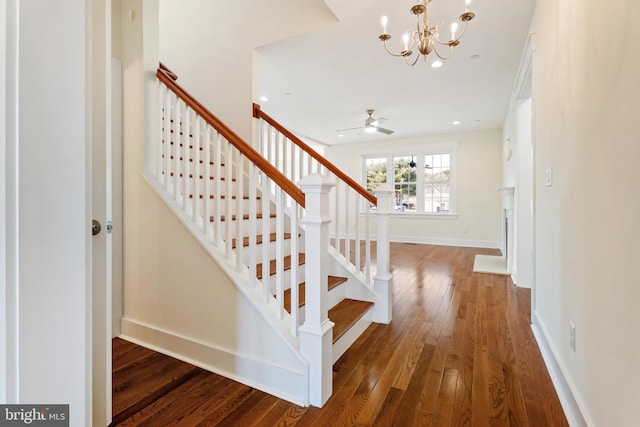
(382, 279)
(316, 334)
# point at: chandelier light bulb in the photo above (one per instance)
(454, 28)
(468, 2)
(405, 39)
(384, 20)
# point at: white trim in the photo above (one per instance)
(9, 198)
(423, 215)
(419, 151)
(524, 70)
(445, 242)
(277, 380)
(574, 408)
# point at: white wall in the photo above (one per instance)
(209, 44)
(586, 95)
(479, 206)
(48, 280)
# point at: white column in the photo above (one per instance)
(316, 334)
(382, 279)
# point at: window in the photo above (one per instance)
(404, 184)
(437, 177)
(422, 179)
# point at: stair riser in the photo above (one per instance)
(286, 279)
(224, 204)
(245, 227)
(246, 253)
(211, 186)
(336, 295)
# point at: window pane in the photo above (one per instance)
(405, 183)
(436, 183)
(376, 172)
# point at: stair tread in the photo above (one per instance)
(333, 281)
(245, 240)
(245, 216)
(345, 314)
(272, 265)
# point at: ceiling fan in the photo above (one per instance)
(371, 125)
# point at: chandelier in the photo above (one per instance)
(426, 37)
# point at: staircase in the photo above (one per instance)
(292, 232)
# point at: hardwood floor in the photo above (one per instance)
(459, 351)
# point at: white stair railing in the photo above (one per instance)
(230, 196)
(351, 206)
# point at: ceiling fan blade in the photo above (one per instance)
(383, 130)
(378, 122)
(349, 129)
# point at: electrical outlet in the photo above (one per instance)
(572, 336)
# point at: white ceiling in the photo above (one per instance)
(323, 81)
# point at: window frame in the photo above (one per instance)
(418, 152)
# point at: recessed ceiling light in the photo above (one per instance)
(436, 64)
(341, 135)
(457, 122)
(264, 98)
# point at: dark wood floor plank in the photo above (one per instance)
(459, 351)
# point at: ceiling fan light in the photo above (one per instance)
(370, 129)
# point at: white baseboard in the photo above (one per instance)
(445, 242)
(574, 409)
(279, 381)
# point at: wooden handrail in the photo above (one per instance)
(259, 114)
(165, 76)
(170, 73)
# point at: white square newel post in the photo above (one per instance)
(316, 334)
(382, 279)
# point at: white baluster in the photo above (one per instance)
(367, 248)
(162, 95)
(217, 193)
(175, 152)
(206, 212)
(239, 200)
(280, 201)
(184, 160)
(196, 171)
(347, 238)
(336, 218)
(228, 192)
(253, 225)
(265, 240)
(294, 266)
(356, 213)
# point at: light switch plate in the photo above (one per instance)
(548, 177)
